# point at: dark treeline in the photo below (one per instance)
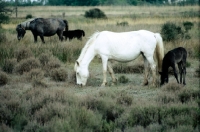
(99, 2)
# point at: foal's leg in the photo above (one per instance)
(114, 80)
(184, 71)
(180, 70)
(175, 72)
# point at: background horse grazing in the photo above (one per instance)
(173, 57)
(42, 27)
(124, 47)
(70, 34)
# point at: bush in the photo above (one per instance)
(123, 68)
(172, 87)
(171, 32)
(23, 53)
(122, 23)
(2, 36)
(123, 79)
(26, 65)
(95, 13)
(52, 63)
(35, 74)
(28, 16)
(188, 25)
(59, 74)
(44, 58)
(9, 65)
(3, 78)
(125, 100)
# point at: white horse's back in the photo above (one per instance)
(125, 46)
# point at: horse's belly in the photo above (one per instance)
(48, 34)
(124, 57)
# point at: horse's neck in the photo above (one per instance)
(88, 57)
(26, 24)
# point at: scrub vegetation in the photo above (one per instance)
(37, 81)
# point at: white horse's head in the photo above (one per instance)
(82, 74)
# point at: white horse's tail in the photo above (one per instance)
(159, 51)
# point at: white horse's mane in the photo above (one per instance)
(87, 45)
(26, 23)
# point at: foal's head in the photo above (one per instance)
(163, 78)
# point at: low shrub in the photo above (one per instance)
(53, 63)
(59, 74)
(123, 79)
(172, 87)
(186, 95)
(95, 13)
(26, 65)
(122, 23)
(28, 16)
(23, 53)
(44, 58)
(9, 65)
(171, 31)
(123, 68)
(3, 78)
(35, 74)
(2, 36)
(188, 25)
(125, 100)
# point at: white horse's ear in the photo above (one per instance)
(77, 63)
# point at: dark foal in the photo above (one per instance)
(173, 57)
(70, 34)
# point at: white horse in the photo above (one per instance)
(123, 47)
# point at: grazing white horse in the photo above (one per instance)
(123, 47)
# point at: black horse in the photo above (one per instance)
(42, 27)
(70, 34)
(175, 56)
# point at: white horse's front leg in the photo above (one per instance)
(104, 61)
(114, 80)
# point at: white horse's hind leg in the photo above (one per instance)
(114, 80)
(153, 69)
(146, 71)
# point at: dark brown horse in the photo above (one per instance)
(42, 27)
(173, 57)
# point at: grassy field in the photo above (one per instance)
(37, 81)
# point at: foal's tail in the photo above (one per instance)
(159, 51)
(83, 33)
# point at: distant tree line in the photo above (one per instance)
(99, 2)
